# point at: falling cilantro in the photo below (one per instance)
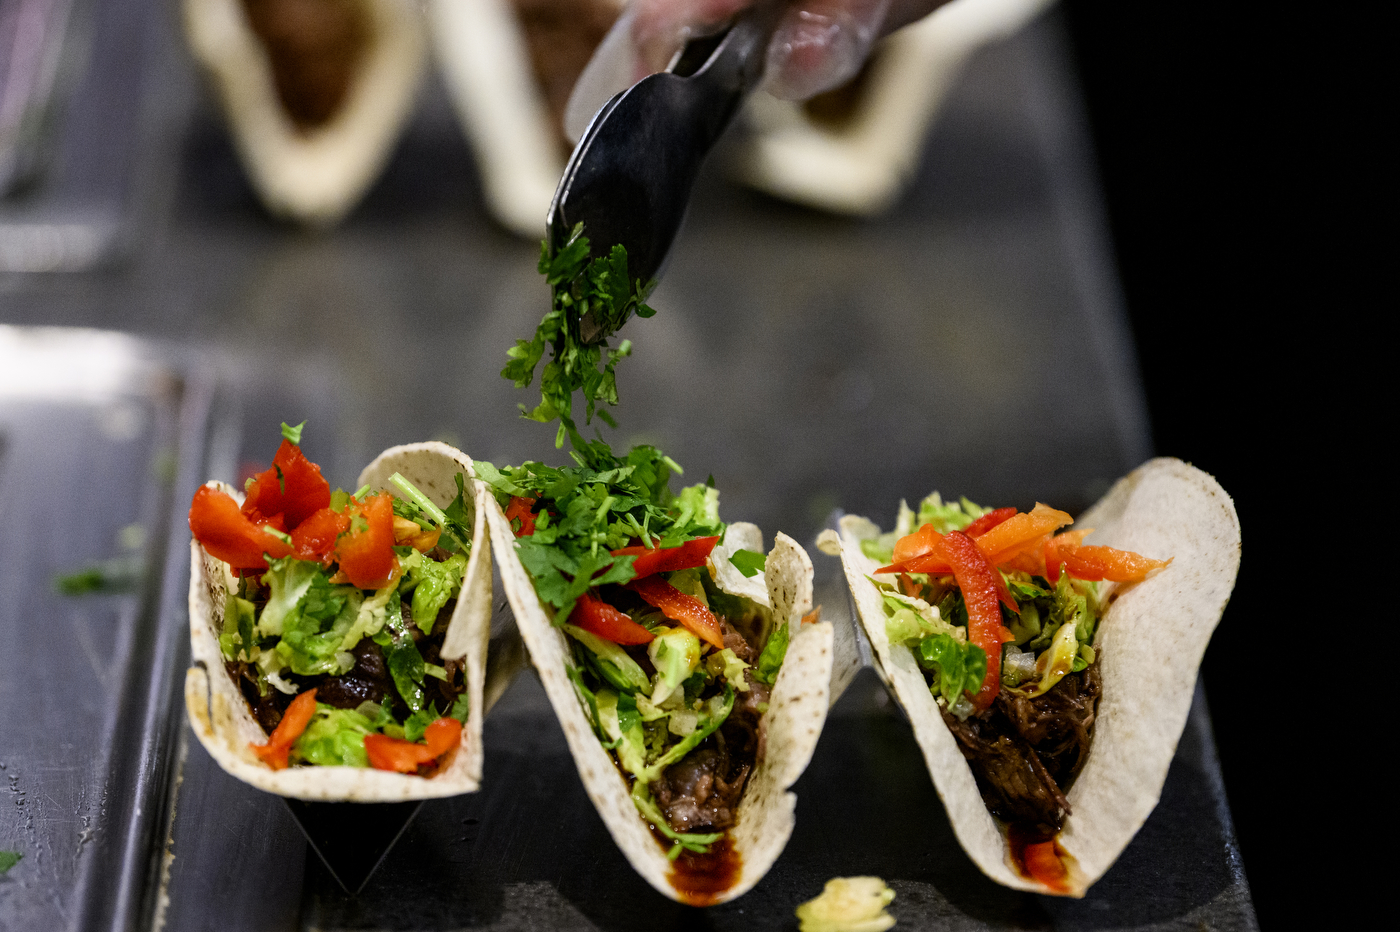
(8, 859)
(598, 291)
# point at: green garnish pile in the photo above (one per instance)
(580, 286)
(602, 504)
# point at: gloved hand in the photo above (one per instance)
(818, 45)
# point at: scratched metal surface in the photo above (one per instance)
(971, 341)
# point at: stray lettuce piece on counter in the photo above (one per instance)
(848, 904)
(293, 433)
(9, 859)
(579, 286)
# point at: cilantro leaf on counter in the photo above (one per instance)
(9, 859)
(578, 286)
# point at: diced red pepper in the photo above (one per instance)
(977, 579)
(294, 721)
(678, 606)
(521, 509)
(386, 753)
(229, 535)
(988, 521)
(314, 538)
(293, 487)
(686, 556)
(1043, 864)
(366, 551)
(594, 615)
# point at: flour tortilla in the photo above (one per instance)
(220, 715)
(797, 709)
(314, 176)
(1152, 638)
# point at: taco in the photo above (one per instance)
(339, 641)
(688, 670)
(1048, 676)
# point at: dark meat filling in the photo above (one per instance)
(367, 681)
(1025, 753)
(315, 47)
(701, 793)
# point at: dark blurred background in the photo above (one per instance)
(1225, 155)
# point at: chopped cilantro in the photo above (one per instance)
(602, 504)
(116, 575)
(579, 287)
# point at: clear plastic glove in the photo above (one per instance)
(818, 45)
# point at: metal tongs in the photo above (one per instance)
(629, 179)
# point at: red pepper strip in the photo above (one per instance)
(916, 544)
(678, 606)
(1044, 864)
(988, 521)
(314, 538)
(386, 753)
(978, 581)
(686, 556)
(1007, 538)
(1095, 563)
(1004, 594)
(366, 551)
(1000, 544)
(594, 615)
(1029, 559)
(228, 534)
(520, 508)
(930, 563)
(293, 487)
(294, 722)
(1057, 548)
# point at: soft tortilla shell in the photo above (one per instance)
(316, 176)
(1152, 639)
(797, 710)
(222, 720)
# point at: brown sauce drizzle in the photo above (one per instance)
(699, 879)
(315, 47)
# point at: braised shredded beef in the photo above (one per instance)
(368, 680)
(1025, 753)
(701, 793)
